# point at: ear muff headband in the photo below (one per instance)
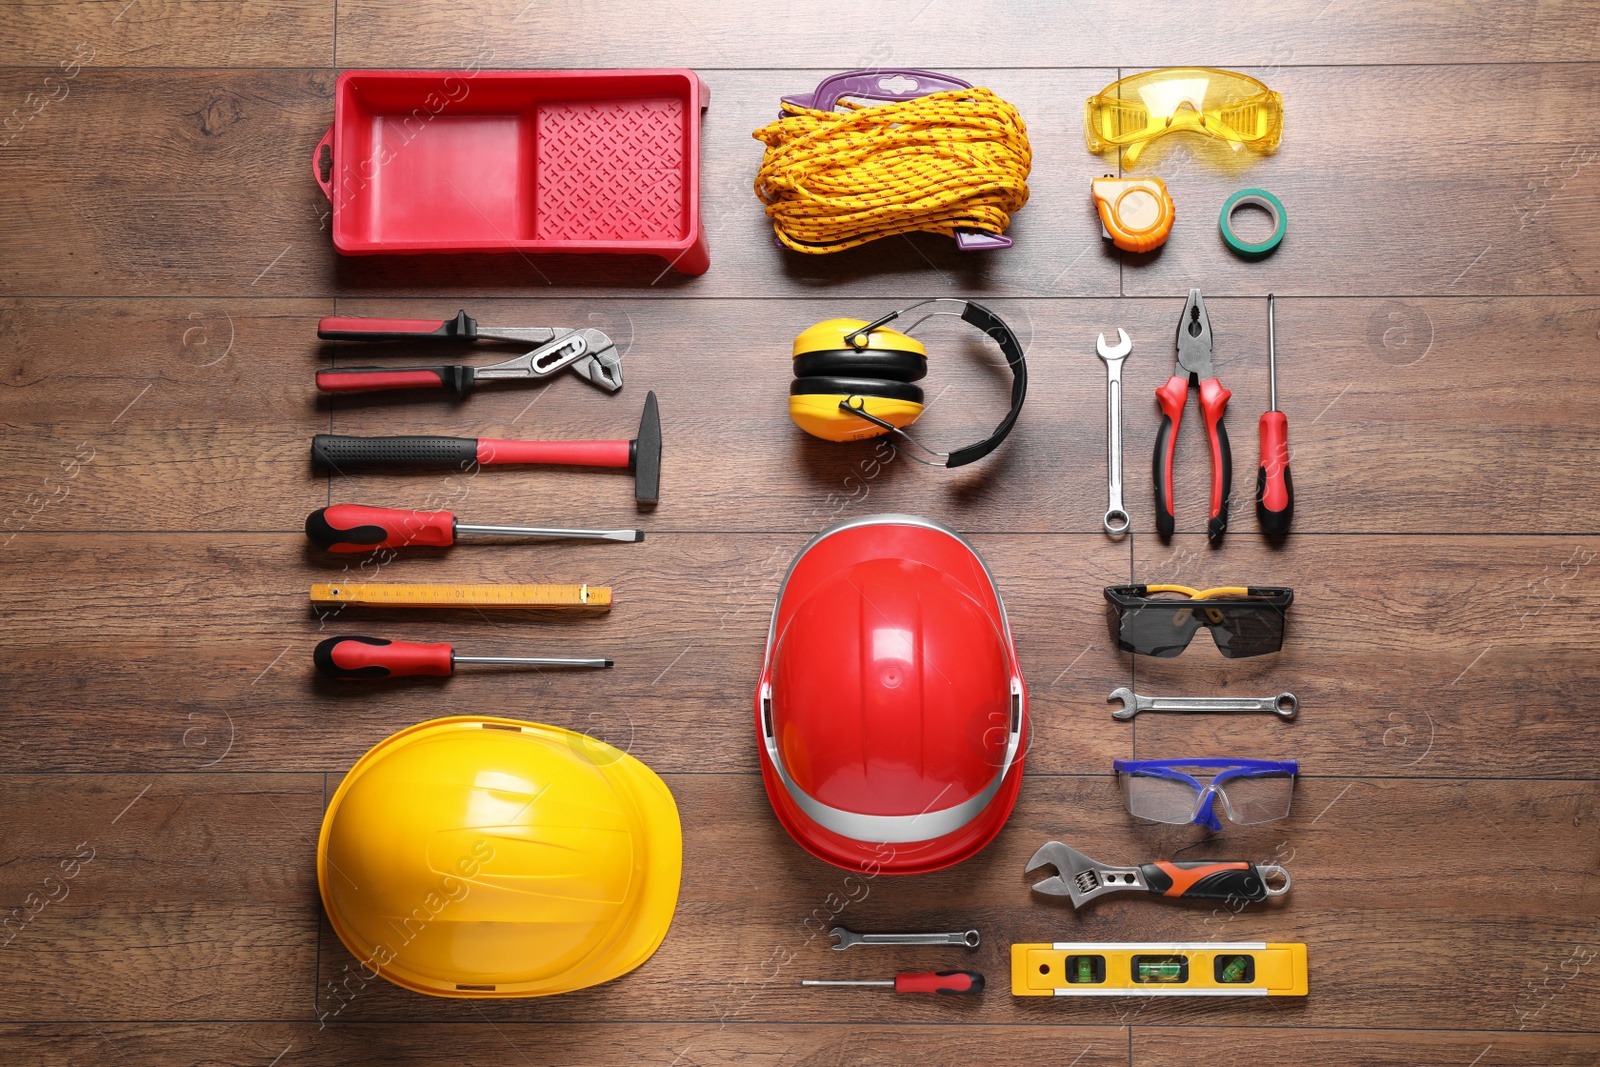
(861, 362)
(1011, 348)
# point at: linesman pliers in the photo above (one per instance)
(1194, 362)
(588, 352)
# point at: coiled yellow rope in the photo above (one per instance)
(942, 162)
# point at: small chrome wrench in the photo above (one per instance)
(1284, 705)
(968, 939)
(1116, 519)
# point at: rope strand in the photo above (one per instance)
(942, 162)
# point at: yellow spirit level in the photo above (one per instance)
(1163, 969)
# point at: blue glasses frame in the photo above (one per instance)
(1227, 770)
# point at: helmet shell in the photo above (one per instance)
(486, 857)
(891, 714)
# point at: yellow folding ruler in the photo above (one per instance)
(381, 595)
(1159, 968)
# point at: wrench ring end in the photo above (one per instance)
(1116, 522)
(1286, 705)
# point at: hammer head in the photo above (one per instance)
(647, 453)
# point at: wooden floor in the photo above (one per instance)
(166, 257)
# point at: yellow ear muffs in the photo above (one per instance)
(830, 369)
(814, 405)
(853, 380)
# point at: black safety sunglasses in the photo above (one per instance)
(1244, 620)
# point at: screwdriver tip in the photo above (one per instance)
(611, 663)
(638, 535)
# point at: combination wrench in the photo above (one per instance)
(1116, 519)
(1284, 705)
(848, 938)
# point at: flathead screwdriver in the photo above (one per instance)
(1274, 487)
(952, 982)
(358, 528)
(356, 658)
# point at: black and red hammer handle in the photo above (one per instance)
(343, 328)
(459, 453)
(1213, 403)
(1205, 879)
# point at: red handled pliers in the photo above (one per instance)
(1194, 362)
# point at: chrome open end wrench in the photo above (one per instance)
(848, 938)
(1116, 519)
(1284, 705)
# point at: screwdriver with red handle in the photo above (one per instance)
(1274, 487)
(359, 528)
(355, 658)
(952, 982)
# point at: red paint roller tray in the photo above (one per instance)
(523, 161)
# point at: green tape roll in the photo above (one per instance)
(1264, 200)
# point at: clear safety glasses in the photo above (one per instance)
(1251, 790)
(1130, 113)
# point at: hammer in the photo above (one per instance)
(642, 455)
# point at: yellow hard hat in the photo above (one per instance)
(486, 857)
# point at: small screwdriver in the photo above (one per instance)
(358, 528)
(1274, 487)
(356, 658)
(926, 982)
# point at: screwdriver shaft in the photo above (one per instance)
(1272, 358)
(552, 532)
(818, 981)
(534, 661)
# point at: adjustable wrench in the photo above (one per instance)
(1083, 879)
(1116, 519)
(847, 938)
(1284, 705)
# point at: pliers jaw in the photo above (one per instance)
(1194, 339)
(1193, 367)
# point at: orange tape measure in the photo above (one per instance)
(1135, 213)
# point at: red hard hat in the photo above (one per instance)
(891, 713)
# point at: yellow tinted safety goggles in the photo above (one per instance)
(1130, 113)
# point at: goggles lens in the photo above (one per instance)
(1164, 791)
(1218, 103)
(1241, 626)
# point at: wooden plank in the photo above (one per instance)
(169, 33)
(1408, 655)
(479, 1045)
(157, 414)
(216, 437)
(1379, 445)
(1366, 222)
(153, 896)
(1395, 407)
(1161, 1046)
(212, 169)
(208, 666)
(1463, 656)
(1382, 864)
(914, 33)
(1361, 224)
